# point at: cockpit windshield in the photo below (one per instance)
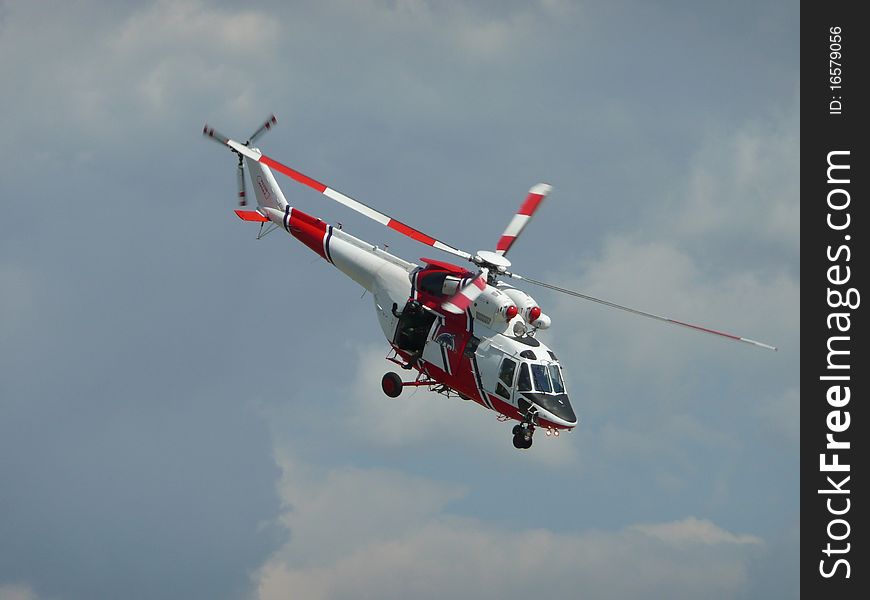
(547, 378)
(542, 381)
(556, 376)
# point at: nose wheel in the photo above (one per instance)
(523, 435)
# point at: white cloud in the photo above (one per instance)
(98, 78)
(782, 413)
(664, 279)
(183, 47)
(694, 531)
(16, 591)
(456, 29)
(744, 185)
(373, 534)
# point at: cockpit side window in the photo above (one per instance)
(542, 382)
(524, 382)
(556, 376)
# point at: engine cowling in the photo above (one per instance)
(494, 308)
(527, 306)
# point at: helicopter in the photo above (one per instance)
(464, 331)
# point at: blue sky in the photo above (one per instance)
(188, 412)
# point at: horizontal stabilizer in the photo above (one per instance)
(251, 215)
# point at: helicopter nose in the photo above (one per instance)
(562, 408)
(557, 405)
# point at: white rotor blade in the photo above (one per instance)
(466, 295)
(642, 313)
(522, 217)
(356, 205)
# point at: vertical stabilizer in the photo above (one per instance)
(265, 187)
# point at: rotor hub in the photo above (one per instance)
(492, 260)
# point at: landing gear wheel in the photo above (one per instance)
(391, 384)
(517, 430)
(520, 442)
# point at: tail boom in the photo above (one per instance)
(354, 257)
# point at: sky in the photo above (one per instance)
(188, 412)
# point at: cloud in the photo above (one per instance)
(140, 68)
(186, 47)
(662, 278)
(16, 591)
(744, 184)
(702, 258)
(694, 531)
(373, 534)
(782, 413)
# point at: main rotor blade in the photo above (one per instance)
(522, 217)
(641, 312)
(217, 136)
(356, 205)
(466, 295)
(270, 122)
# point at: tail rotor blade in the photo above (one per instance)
(522, 217)
(240, 175)
(466, 295)
(642, 313)
(217, 136)
(270, 122)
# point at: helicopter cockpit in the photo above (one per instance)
(536, 380)
(541, 383)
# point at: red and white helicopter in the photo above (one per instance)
(464, 331)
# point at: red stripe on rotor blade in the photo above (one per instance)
(699, 328)
(411, 232)
(293, 174)
(505, 242)
(531, 204)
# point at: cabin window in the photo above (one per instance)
(471, 347)
(524, 382)
(542, 382)
(507, 372)
(556, 376)
(506, 377)
(528, 354)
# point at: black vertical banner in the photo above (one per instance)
(834, 371)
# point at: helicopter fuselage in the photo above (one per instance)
(488, 354)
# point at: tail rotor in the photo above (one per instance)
(217, 136)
